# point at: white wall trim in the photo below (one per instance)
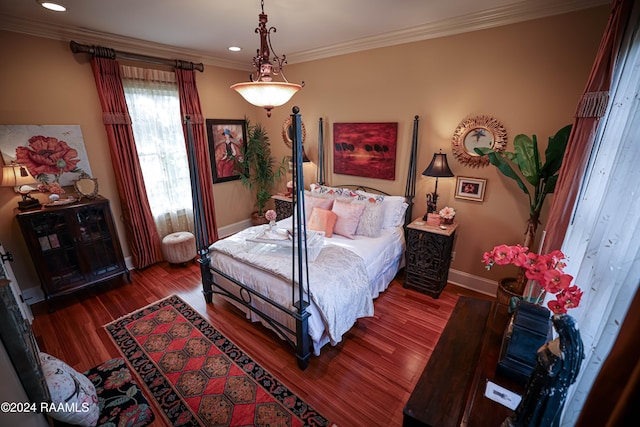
(230, 229)
(475, 283)
(33, 295)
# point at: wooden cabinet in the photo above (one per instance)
(451, 389)
(73, 246)
(283, 205)
(428, 257)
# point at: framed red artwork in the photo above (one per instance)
(365, 149)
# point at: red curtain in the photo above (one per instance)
(591, 107)
(142, 236)
(190, 105)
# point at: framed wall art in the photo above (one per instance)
(470, 188)
(227, 143)
(54, 155)
(365, 149)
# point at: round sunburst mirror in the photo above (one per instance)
(287, 132)
(475, 132)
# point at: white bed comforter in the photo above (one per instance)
(338, 280)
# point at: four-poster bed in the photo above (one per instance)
(308, 295)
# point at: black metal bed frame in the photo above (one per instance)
(299, 267)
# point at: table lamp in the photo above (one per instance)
(438, 168)
(18, 177)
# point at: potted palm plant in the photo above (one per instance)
(260, 171)
(539, 180)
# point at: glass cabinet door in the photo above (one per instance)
(95, 239)
(57, 249)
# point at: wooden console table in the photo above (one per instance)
(450, 391)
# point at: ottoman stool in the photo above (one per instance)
(179, 247)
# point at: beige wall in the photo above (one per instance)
(528, 75)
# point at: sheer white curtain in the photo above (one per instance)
(603, 241)
(154, 106)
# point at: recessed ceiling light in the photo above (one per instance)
(234, 49)
(52, 6)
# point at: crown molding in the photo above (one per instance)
(142, 47)
(491, 18)
(505, 15)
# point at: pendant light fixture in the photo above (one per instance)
(262, 91)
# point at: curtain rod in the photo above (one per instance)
(105, 52)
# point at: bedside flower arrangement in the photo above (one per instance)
(447, 214)
(271, 216)
(546, 270)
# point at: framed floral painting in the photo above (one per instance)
(54, 155)
(470, 188)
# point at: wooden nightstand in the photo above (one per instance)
(428, 256)
(284, 206)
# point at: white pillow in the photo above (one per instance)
(377, 197)
(394, 209)
(331, 192)
(72, 394)
(370, 222)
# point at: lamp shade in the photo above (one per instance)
(438, 167)
(266, 94)
(16, 176)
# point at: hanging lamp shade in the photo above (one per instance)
(262, 91)
(267, 95)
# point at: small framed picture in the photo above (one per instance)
(227, 144)
(470, 188)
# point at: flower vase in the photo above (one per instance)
(446, 221)
(272, 225)
(529, 328)
(556, 367)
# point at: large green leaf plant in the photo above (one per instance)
(539, 178)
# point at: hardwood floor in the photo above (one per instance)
(364, 381)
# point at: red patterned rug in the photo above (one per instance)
(198, 377)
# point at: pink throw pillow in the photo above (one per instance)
(322, 220)
(348, 218)
(311, 202)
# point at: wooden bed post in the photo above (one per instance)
(199, 221)
(299, 248)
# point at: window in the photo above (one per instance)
(154, 106)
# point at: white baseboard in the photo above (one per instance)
(128, 263)
(33, 295)
(475, 283)
(230, 229)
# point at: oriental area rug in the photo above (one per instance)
(200, 378)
